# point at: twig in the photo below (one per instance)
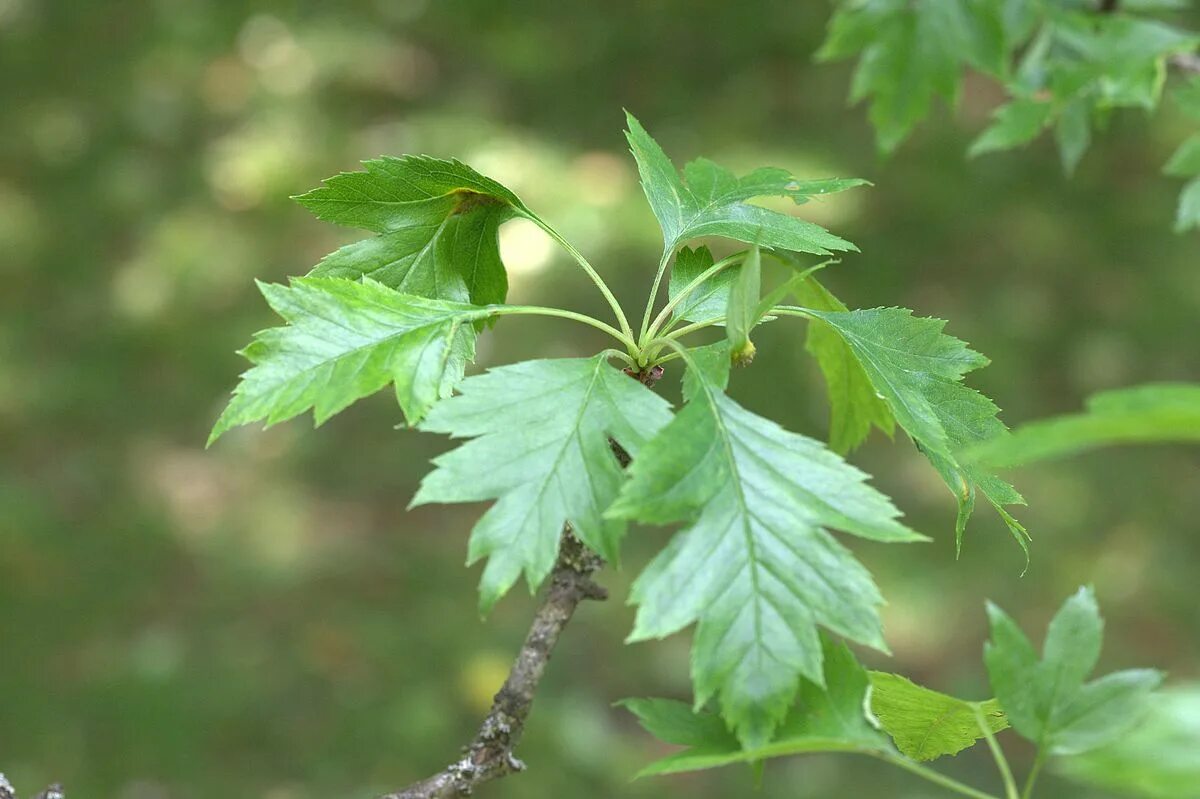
(490, 755)
(1186, 62)
(55, 791)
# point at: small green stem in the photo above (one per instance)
(658, 276)
(792, 310)
(1010, 785)
(655, 345)
(621, 356)
(692, 328)
(1033, 774)
(665, 313)
(935, 777)
(655, 361)
(591, 272)
(537, 310)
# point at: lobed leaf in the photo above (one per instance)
(913, 52)
(345, 340)
(709, 200)
(1046, 699)
(540, 446)
(437, 223)
(708, 300)
(754, 567)
(917, 370)
(830, 716)
(854, 405)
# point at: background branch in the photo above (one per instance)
(7, 791)
(1187, 62)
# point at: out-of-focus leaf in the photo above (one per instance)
(1047, 700)
(913, 52)
(1016, 123)
(1073, 132)
(1151, 413)
(1159, 759)
(1185, 161)
(1187, 214)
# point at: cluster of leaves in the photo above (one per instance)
(1065, 65)
(754, 567)
(1043, 699)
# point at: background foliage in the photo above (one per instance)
(264, 619)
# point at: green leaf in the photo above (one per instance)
(1121, 58)
(1186, 97)
(1187, 215)
(1185, 162)
(540, 446)
(346, 340)
(709, 299)
(710, 201)
(1013, 124)
(913, 52)
(829, 717)
(741, 314)
(754, 566)
(1159, 759)
(1156, 412)
(918, 369)
(854, 406)
(1073, 132)
(1046, 700)
(437, 223)
(926, 724)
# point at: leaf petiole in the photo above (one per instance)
(538, 310)
(664, 314)
(935, 777)
(658, 276)
(1033, 773)
(622, 320)
(621, 356)
(1010, 785)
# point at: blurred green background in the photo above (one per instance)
(264, 619)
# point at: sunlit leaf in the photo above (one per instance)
(754, 566)
(345, 340)
(540, 446)
(926, 724)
